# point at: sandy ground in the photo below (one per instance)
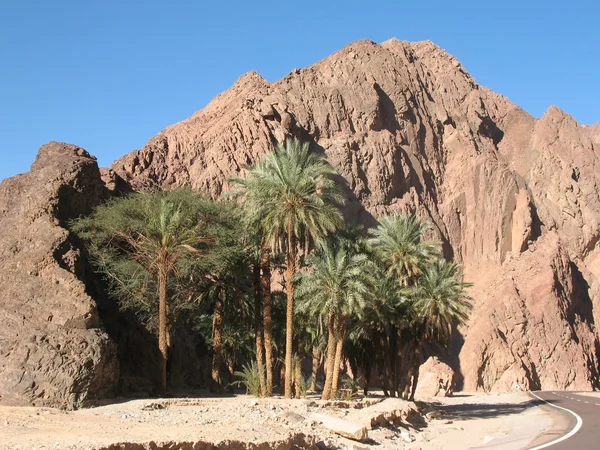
(494, 421)
(466, 421)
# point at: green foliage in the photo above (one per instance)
(304, 385)
(130, 238)
(351, 384)
(249, 378)
(439, 301)
(338, 283)
(387, 284)
(292, 186)
(349, 389)
(398, 244)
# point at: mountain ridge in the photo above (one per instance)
(514, 199)
(411, 130)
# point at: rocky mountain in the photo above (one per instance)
(514, 199)
(53, 349)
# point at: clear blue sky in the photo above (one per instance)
(107, 75)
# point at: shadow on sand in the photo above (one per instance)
(482, 411)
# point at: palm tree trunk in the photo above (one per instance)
(316, 363)
(416, 367)
(289, 318)
(367, 376)
(258, 329)
(230, 360)
(298, 375)
(393, 356)
(217, 343)
(265, 281)
(381, 367)
(407, 355)
(163, 339)
(331, 347)
(338, 356)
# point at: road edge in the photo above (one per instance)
(575, 429)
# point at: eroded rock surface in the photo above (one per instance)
(53, 350)
(410, 130)
(436, 379)
(240, 422)
(513, 198)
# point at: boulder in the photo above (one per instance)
(389, 411)
(342, 427)
(53, 348)
(435, 379)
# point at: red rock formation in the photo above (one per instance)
(515, 199)
(436, 379)
(53, 350)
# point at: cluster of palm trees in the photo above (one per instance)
(382, 285)
(378, 299)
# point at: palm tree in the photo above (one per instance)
(145, 236)
(336, 288)
(259, 326)
(375, 334)
(397, 242)
(439, 302)
(292, 195)
(265, 285)
(399, 246)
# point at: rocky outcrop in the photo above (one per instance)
(293, 442)
(514, 199)
(533, 325)
(436, 379)
(53, 350)
(342, 427)
(410, 130)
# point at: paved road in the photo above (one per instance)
(583, 415)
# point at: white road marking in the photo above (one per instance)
(566, 436)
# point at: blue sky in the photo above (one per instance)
(108, 75)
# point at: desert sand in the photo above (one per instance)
(507, 421)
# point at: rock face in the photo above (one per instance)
(514, 199)
(53, 350)
(435, 379)
(342, 427)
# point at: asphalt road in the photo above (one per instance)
(582, 426)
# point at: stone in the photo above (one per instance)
(406, 436)
(389, 411)
(291, 417)
(342, 427)
(434, 415)
(53, 348)
(348, 444)
(435, 379)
